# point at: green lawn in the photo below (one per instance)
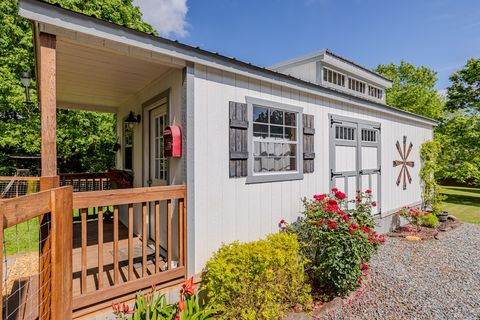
(463, 203)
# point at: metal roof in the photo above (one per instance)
(197, 53)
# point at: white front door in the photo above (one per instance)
(157, 168)
(158, 165)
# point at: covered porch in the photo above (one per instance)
(122, 240)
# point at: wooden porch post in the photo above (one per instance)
(48, 108)
(48, 179)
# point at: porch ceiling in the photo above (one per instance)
(93, 78)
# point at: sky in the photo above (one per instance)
(439, 34)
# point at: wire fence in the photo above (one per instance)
(13, 187)
(26, 270)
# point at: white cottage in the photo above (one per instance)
(255, 140)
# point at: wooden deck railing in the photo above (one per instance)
(85, 181)
(112, 259)
(46, 294)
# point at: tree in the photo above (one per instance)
(413, 89)
(81, 147)
(460, 157)
(464, 93)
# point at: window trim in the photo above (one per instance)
(277, 176)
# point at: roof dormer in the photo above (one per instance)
(330, 70)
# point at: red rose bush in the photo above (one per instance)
(338, 240)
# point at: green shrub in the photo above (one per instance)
(257, 280)
(429, 220)
(338, 243)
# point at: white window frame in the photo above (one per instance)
(259, 177)
(326, 69)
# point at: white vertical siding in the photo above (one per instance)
(227, 209)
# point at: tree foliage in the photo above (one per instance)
(413, 89)
(460, 157)
(85, 139)
(464, 93)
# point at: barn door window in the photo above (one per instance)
(274, 141)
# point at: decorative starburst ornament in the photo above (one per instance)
(404, 162)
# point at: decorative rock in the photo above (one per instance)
(413, 238)
(395, 234)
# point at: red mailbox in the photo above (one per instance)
(172, 138)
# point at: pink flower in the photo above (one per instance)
(335, 189)
(368, 191)
(319, 197)
(357, 191)
(340, 195)
(374, 204)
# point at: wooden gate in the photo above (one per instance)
(45, 294)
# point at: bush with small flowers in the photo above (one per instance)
(338, 240)
(417, 217)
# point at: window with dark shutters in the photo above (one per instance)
(308, 143)
(238, 139)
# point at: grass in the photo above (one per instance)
(463, 203)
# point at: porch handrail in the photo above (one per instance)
(126, 196)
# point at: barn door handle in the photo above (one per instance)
(334, 174)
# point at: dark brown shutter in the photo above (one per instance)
(308, 143)
(238, 139)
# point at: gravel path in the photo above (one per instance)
(435, 279)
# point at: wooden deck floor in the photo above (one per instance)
(108, 258)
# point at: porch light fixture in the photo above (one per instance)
(26, 79)
(132, 119)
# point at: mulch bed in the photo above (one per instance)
(424, 233)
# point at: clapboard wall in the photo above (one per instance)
(227, 209)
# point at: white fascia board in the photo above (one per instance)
(62, 18)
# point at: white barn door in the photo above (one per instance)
(355, 157)
(343, 157)
(369, 161)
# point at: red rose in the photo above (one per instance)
(365, 229)
(331, 208)
(321, 221)
(368, 191)
(346, 218)
(357, 191)
(332, 202)
(282, 221)
(340, 195)
(381, 238)
(417, 214)
(365, 267)
(319, 197)
(374, 204)
(340, 211)
(335, 189)
(331, 224)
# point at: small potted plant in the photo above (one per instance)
(443, 217)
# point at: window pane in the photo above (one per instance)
(263, 164)
(276, 132)
(278, 164)
(260, 114)
(290, 119)
(290, 164)
(276, 117)
(260, 130)
(324, 74)
(277, 149)
(289, 149)
(291, 134)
